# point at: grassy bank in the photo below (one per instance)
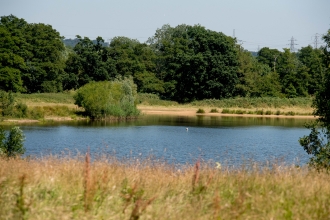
(66, 188)
(49, 106)
(250, 106)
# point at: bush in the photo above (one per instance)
(7, 103)
(241, 112)
(12, 145)
(200, 110)
(102, 99)
(225, 111)
(214, 110)
(315, 145)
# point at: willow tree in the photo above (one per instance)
(108, 98)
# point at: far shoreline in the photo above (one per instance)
(160, 110)
(192, 111)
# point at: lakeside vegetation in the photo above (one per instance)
(40, 106)
(184, 63)
(184, 66)
(76, 188)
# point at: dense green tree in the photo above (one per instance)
(11, 64)
(312, 59)
(293, 75)
(12, 145)
(31, 55)
(108, 98)
(255, 78)
(317, 143)
(88, 62)
(195, 63)
(135, 59)
(269, 57)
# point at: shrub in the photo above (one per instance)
(200, 110)
(101, 99)
(290, 113)
(260, 112)
(241, 112)
(7, 102)
(214, 110)
(268, 112)
(315, 145)
(21, 110)
(12, 145)
(225, 111)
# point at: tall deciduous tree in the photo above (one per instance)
(312, 59)
(89, 62)
(135, 59)
(317, 143)
(195, 63)
(30, 54)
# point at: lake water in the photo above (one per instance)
(229, 140)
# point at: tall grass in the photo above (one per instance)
(152, 99)
(63, 98)
(246, 102)
(106, 188)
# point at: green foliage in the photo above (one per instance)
(63, 98)
(195, 63)
(108, 98)
(12, 145)
(9, 107)
(201, 111)
(317, 143)
(30, 55)
(89, 62)
(7, 103)
(312, 59)
(153, 99)
(214, 110)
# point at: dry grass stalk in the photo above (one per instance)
(216, 205)
(196, 175)
(88, 183)
(57, 186)
(128, 197)
(140, 207)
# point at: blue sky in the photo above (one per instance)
(257, 23)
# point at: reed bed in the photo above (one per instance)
(107, 188)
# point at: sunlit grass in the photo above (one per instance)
(106, 188)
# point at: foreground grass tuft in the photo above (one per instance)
(82, 188)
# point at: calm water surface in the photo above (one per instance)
(228, 140)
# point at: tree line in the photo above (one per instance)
(182, 63)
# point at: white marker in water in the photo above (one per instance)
(187, 129)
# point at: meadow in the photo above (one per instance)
(106, 188)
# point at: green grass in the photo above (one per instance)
(153, 100)
(76, 188)
(62, 98)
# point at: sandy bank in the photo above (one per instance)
(191, 111)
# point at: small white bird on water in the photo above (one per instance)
(186, 129)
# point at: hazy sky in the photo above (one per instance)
(257, 23)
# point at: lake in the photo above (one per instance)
(175, 139)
